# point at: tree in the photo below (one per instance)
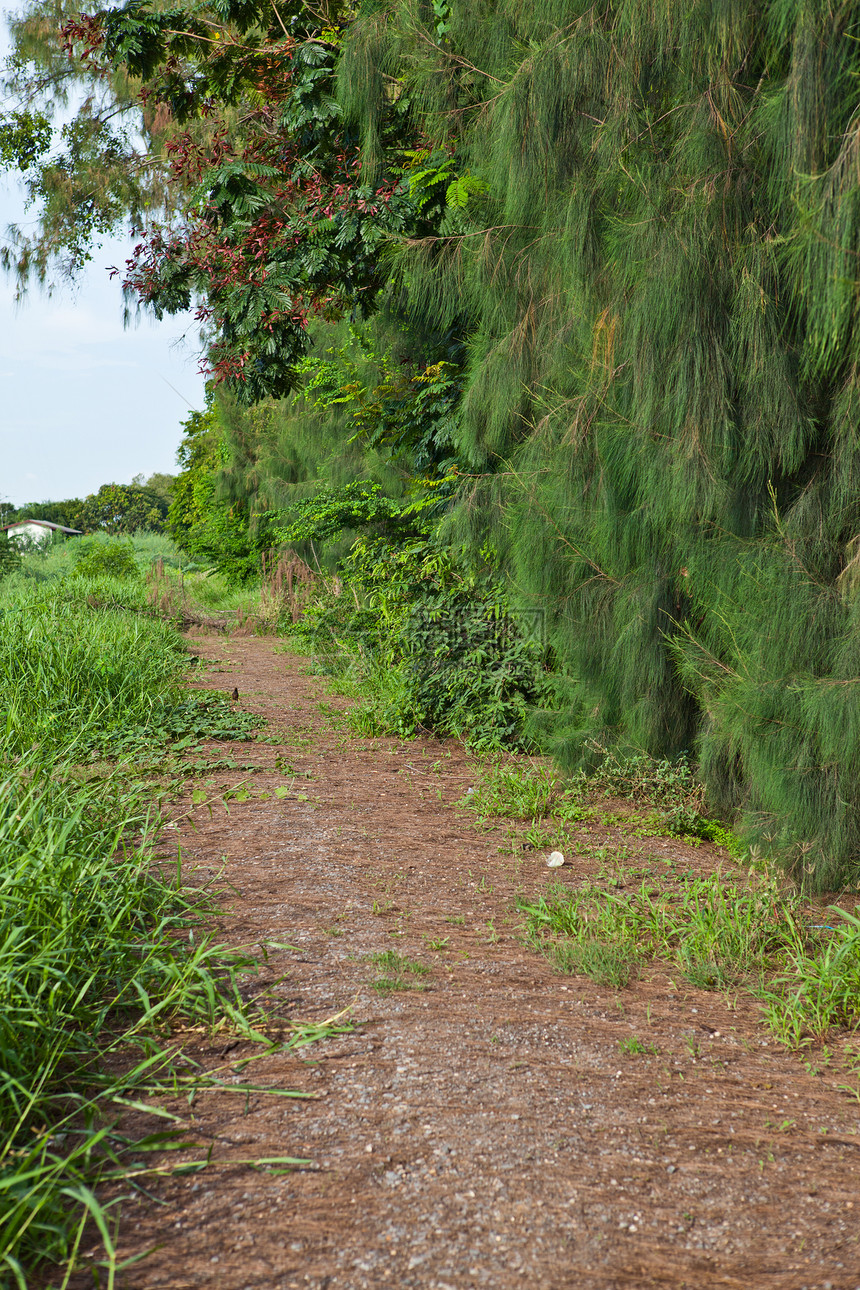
(103, 167)
(634, 232)
(64, 513)
(265, 215)
(119, 508)
(657, 277)
(204, 522)
(159, 483)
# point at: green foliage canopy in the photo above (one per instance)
(656, 280)
(114, 508)
(202, 519)
(95, 559)
(121, 508)
(259, 209)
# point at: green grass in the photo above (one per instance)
(730, 932)
(213, 592)
(57, 559)
(70, 672)
(84, 665)
(398, 972)
(718, 920)
(604, 962)
(352, 671)
(101, 951)
(520, 790)
(635, 1047)
(95, 948)
(205, 592)
(817, 989)
(723, 932)
(202, 590)
(376, 690)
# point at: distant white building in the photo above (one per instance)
(35, 532)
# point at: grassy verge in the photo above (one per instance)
(75, 667)
(744, 928)
(152, 569)
(730, 932)
(101, 951)
(57, 559)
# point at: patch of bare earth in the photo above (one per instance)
(488, 1129)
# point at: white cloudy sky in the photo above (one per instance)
(82, 401)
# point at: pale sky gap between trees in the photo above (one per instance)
(85, 402)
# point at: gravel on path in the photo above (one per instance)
(484, 1128)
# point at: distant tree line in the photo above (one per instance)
(114, 509)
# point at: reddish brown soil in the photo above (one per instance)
(489, 1130)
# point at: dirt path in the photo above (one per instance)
(488, 1130)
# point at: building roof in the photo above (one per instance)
(42, 524)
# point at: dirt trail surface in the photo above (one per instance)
(487, 1129)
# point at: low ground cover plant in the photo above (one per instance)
(729, 931)
(747, 928)
(397, 972)
(524, 791)
(722, 930)
(538, 791)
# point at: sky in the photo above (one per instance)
(84, 402)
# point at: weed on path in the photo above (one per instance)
(522, 1100)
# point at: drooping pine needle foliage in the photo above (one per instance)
(658, 265)
(634, 228)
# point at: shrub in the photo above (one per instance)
(431, 641)
(106, 559)
(10, 557)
